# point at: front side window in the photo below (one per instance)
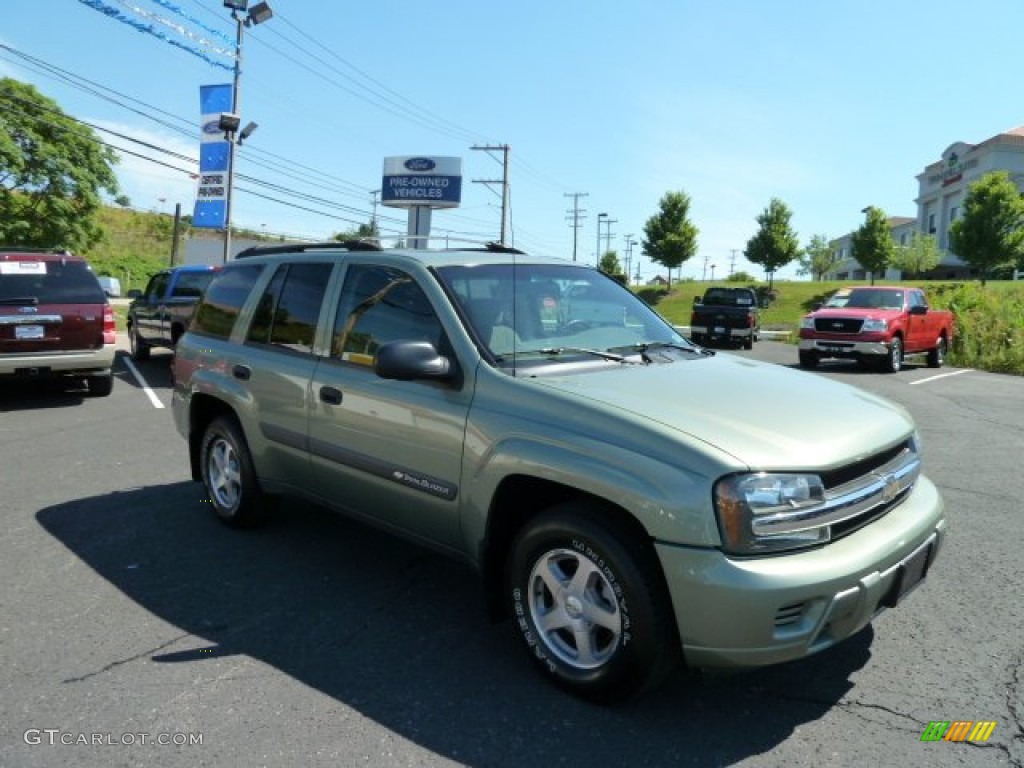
(224, 300)
(287, 313)
(378, 305)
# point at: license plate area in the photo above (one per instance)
(29, 332)
(909, 574)
(833, 349)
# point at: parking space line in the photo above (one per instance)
(941, 376)
(142, 383)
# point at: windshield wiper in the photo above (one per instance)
(693, 350)
(554, 351)
(20, 300)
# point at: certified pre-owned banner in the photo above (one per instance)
(214, 158)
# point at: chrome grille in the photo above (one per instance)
(838, 324)
(884, 482)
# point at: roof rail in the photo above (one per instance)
(331, 245)
(29, 249)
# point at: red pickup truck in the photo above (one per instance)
(878, 326)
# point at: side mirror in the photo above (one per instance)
(698, 300)
(919, 310)
(134, 293)
(410, 361)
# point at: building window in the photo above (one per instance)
(931, 223)
(954, 212)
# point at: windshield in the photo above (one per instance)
(522, 309)
(875, 299)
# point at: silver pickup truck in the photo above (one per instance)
(536, 419)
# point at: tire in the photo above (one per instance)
(808, 359)
(937, 355)
(697, 338)
(139, 348)
(228, 474)
(893, 362)
(748, 343)
(589, 601)
(100, 386)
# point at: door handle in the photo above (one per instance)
(330, 395)
(242, 372)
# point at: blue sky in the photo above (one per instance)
(828, 106)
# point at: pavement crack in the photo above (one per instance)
(119, 662)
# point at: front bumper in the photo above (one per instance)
(756, 611)
(844, 348)
(32, 365)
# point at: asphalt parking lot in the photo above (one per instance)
(129, 617)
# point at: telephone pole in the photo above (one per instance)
(577, 215)
(732, 262)
(488, 148)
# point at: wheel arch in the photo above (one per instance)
(203, 409)
(517, 500)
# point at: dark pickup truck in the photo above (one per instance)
(726, 315)
(159, 316)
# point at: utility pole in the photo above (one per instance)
(629, 256)
(503, 181)
(373, 217)
(577, 217)
(608, 235)
(732, 262)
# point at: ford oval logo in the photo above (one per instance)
(212, 127)
(420, 164)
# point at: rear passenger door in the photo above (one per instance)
(278, 365)
(382, 449)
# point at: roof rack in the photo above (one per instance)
(490, 247)
(332, 245)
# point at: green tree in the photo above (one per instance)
(990, 234)
(670, 238)
(873, 246)
(610, 264)
(775, 244)
(741, 277)
(368, 231)
(818, 258)
(52, 171)
(919, 256)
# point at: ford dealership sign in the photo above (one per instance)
(432, 182)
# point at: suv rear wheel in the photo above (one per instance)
(228, 474)
(591, 605)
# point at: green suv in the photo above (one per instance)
(628, 498)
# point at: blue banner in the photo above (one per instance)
(214, 158)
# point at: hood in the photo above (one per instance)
(860, 312)
(766, 416)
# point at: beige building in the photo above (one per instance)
(941, 188)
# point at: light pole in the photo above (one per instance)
(600, 218)
(629, 256)
(712, 273)
(230, 122)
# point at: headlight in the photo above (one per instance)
(764, 512)
(875, 324)
(807, 323)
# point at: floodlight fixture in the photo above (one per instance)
(236, 5)
(258, 14)
(229, 122)
(246, 132)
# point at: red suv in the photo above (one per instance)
(54, 319)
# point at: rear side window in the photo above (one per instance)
(224, 299)
(288, 310)
(49, 282)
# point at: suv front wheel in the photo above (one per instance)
(228, 473)
(590, 603)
